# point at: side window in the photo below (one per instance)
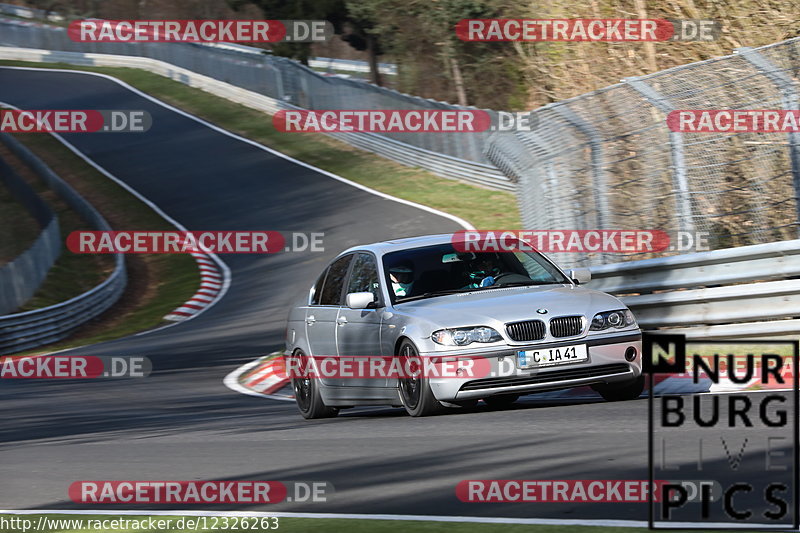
(332, 288)
(318, 287)
(364, 277)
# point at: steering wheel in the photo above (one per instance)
(509, 277)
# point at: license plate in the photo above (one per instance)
(562, 355)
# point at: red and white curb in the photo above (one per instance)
(267, 377)
(214, 273)
(212, 282)
(264, 377)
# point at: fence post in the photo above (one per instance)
(789, 100)
(599, 182)
(680, 180)
(537, 182)
(272, 64)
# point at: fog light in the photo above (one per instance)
(630, 353)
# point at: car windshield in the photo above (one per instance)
(438, 270)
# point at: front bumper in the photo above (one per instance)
(606, 364)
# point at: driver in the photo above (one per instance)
(481, 271)
(402, 277)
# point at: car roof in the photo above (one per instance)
(394, 245)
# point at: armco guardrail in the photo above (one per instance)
(29, 12)
(349, 65)
(21, 277)
(245, 76)
(21, 331)
(760, 296)
(407, 154)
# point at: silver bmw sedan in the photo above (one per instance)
(424, 324)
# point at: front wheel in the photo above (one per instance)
(621, 392)
(415, 392)
(306, 393)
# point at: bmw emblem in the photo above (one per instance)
(542, 311)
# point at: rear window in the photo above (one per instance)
(334, 280)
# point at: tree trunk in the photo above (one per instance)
(455, 69)
(649, 47)
(374, 68)
(459, 82)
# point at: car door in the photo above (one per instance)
(324, 308)
(358, 330)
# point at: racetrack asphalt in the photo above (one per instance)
(182, 423)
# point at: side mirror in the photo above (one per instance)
(359, 300)
(580, 275)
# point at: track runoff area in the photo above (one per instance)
(751, 411)
(722, 439)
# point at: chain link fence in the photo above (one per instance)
(607, 159)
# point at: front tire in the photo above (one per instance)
(307, 396)
(622, 392)
(416, 394)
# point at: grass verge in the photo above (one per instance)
(484, 208)
(157, 284)
(71, 274)
(160, 283)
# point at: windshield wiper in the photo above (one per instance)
(524, 284)
(519, 284)
(445, 292)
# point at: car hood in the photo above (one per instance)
(508, 305)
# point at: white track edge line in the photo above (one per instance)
(463, 223)
(160, 212)
(231, 380)
(226, 271)
(402, 518)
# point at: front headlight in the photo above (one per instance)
(465, 336)
(612, 319)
